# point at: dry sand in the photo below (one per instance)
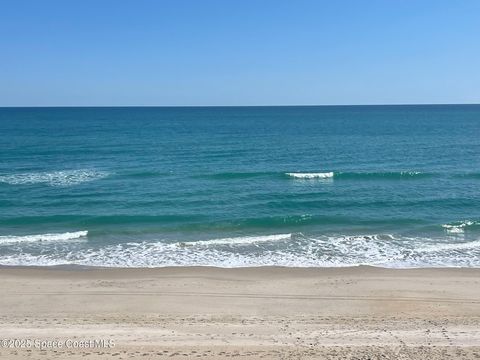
(253, 313)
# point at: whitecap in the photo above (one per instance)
(321, 175)
(459, 227)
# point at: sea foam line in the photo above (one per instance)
(245, 240)
(54, 178)
(43, 237)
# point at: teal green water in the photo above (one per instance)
(393, 186)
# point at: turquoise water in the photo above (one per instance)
(395, 186)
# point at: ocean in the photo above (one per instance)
(392, 186)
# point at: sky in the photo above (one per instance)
(238, 52)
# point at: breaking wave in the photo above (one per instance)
(459, 227)
(350, 175)
(43, 237)
(291, 250)
(389, 175)
(321, 175)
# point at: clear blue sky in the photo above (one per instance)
(238, 52)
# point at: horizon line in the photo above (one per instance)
(229, 106)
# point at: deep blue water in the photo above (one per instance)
(298, 186)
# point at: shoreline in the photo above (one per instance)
(268, 312)
(79, 267)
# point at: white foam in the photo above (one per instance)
(300, 251)
(451, 247)
(239, 240)
(410, 173)
(458, 228)
(55, 178)
(323, 175)
(43, 237)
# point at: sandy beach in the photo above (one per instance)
(270, 313)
